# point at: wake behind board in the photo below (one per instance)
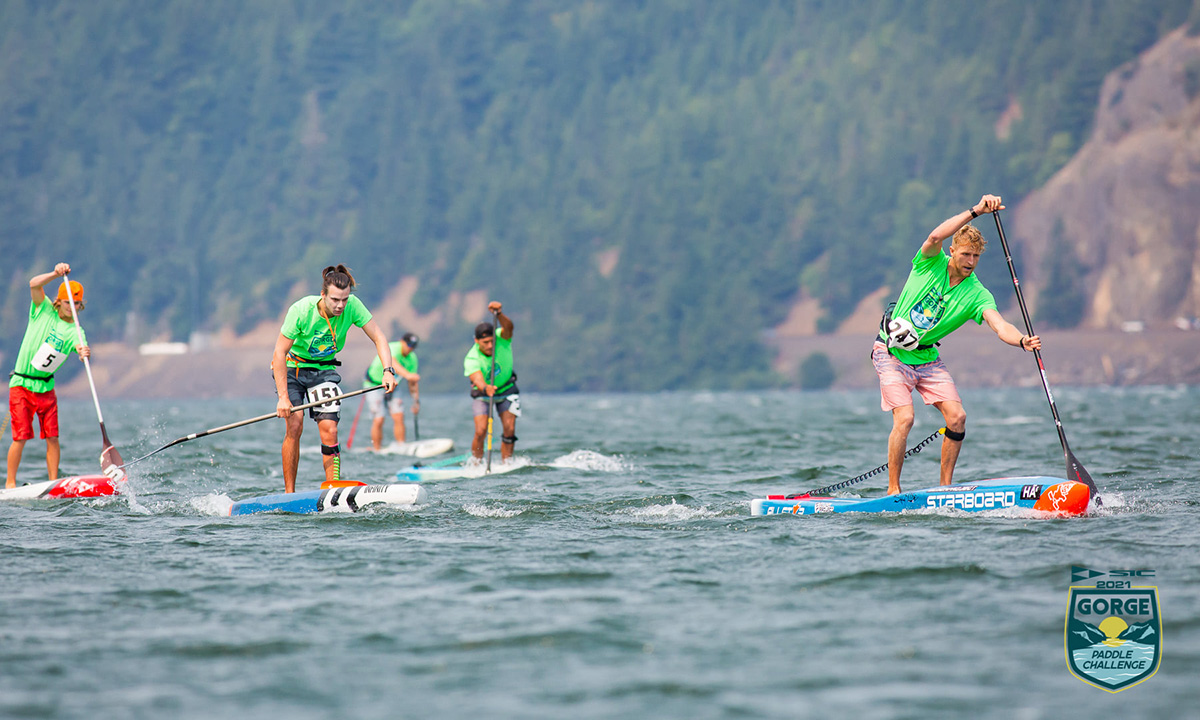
(1053, 495)
(466, 469)
(76, 486)
(332, 500)
(419, 448)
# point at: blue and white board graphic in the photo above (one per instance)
(1049, 494)
(332, 500)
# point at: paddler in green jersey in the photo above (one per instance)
(304, 363)
(941, 294)
(49, 337)
(501, 389)
(404, 353)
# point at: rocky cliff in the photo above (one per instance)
(1123, 216)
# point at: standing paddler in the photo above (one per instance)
(489, 367)
(304, 363)
(404, 352)
(941, 294)
(49, 337)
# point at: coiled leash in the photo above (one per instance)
(824, 491)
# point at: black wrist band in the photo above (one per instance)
(974, 214)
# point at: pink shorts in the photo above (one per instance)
(897, 380)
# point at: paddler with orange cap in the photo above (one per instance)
(49, 338)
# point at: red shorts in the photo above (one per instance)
(23, 404)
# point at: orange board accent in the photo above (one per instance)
(1064, 499)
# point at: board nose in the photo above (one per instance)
(1064, 499)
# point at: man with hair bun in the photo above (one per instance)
(941, 294)
(304, 365)
(49, 337)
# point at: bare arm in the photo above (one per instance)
(1008, 332)
(385, 354)
(279, 369)
(37, 282)
(933, 244)
(506, 324)
(478, 381)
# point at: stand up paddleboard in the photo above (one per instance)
(332, 500)
(463, 470)
(1060, 497)
(419, 448)
(77, 486)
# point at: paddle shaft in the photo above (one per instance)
(87, 366)
(1075, 470)
(491, 380)
(251, 421)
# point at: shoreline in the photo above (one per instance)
(974, 355)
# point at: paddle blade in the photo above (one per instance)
(110, 463)
(1077, 472)
(340, 483)
(110, 458)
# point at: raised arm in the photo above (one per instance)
(506, 324)
(38, 282)
(933, 244)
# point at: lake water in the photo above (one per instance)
(618, 575)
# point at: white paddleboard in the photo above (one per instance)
(419, 448)
(465, 470)
(332, 500)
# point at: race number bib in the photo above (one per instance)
(48, 359)
(324, 391)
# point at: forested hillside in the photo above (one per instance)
(646, 185)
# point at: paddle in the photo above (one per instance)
(251, 421)
(110, 459)
(354, 425)
(492, 379)
(1075, 469)
(416, 426)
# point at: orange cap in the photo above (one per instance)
(76, 290)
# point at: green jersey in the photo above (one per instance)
(317, 339)
(47, 342)
(934, 308)
(375, 371)
(476, 361)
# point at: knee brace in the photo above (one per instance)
(509, 439)
(331, 449)
(955, 436)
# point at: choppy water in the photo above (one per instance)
(619, 575)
